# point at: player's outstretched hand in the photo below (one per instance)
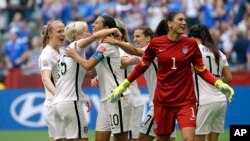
(225, 89)
(117, 92)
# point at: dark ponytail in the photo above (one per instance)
(162, 28)
(201, 31)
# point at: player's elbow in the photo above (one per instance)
(227, 75)
(87, 67)
(45, 80)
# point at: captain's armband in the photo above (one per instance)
(98, 56)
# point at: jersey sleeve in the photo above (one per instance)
(224, 59)
(149, 53)
(197, 57)
(45, 62)
(123, 53)
(105, 49)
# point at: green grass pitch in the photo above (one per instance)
(43, 136)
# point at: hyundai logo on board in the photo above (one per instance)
(27, 109)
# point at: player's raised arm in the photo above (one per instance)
(98, 35)
(124, 46)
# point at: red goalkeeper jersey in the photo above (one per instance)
(174, 76)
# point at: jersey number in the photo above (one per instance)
(148, 119)
(173, 67)
(114, 120)
(62, 68)
(211, 68)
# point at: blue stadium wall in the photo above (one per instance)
(21, 109)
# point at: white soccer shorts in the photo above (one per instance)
(70, 117)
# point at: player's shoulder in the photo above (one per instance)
(223, 56)
(159, 39)
(187, 39)
(105, 45)
(49, 53)
(190, 42)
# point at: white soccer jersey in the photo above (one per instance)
(150, 77)
(138, 101)
(108, 70)
(205, 92)
(48, 61)
(71, 75)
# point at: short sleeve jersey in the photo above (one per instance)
(71, 75)
(48, 61)
(175, 85)
(207, 93)
(138, 101)
(150, 77)
(109, 70)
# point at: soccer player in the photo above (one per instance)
(68, 109)
(128, 61)
(211, 104)
(112, 117)
(174, 97)
(142, 37)
(53, 39)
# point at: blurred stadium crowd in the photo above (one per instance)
(21, 22)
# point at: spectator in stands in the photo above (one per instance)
(27, 9)
(175, 6)
(242, 7)
(244, 24)
(240, 48)
(14, 58)
(192, 10)
(208, 14)
(51, 10)
(129, 11)
(86, 9)
(156, 11)
(32, 55)
(65, 11)
(105, 7)
(221, 11)
(3, 16)
(226, 38)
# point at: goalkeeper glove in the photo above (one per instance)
(225, 89)
(117, 92)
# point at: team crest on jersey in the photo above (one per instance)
(185, 50)
(45, 63)
(101, 49)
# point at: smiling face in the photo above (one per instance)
(140, 40)
(98, 24)
(56, 34)
(178, 24)
(76, 30)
